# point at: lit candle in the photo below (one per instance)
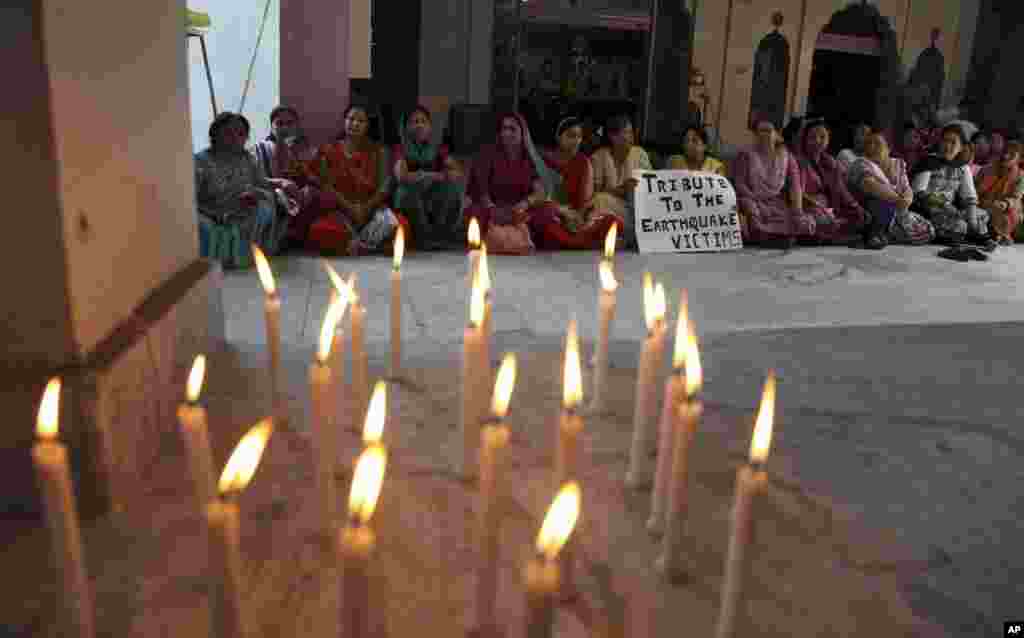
(474, 379)
(640, 473)
(609, 244)
(272, 313)
(485, 282)
(570, 421)
(376, 414)
(606, 313)
(667, 423)
(321, 387)
(223, 523)
(396, 303)
(493, 441)
(339, 292)
(357, 542)
(50, 458)
(192, 418)
(473, 256)
(542, 574)
(751, 480)
(360, 365)
(686, 418)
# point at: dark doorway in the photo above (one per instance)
(843, 90)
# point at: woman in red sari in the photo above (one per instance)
(508, 188)
(581, 225)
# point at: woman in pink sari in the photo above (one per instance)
(509, 189)
(838, 217)
(769, 193)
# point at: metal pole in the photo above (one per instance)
(209, 78)
(650, 71)
(252, 62)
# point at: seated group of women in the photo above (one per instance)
(350, 196)
(803, 194)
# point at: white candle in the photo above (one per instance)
(606, 314)
(483, 265)
(493, 443)
(396, 304)
(542, 575)
(473, 255)
(321, 387)
(50, 458)
(357, 542)
(667, 423)
(640, 473)
(751, 481)
(677, 497)
(222, 520)
(272, 314)
(360, 365)
(472, 387)
(192, 418)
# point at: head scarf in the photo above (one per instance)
(551, 179)
(423, 154)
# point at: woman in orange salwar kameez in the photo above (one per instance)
(1000, 188)
(580, 224)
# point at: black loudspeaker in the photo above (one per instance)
(470, 126)
(673, 40)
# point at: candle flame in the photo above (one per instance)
(609, 241)
(195, 379)
(694, 371)
(682, 331)
(367, 479)
(608, 283)
(648, 291)
(504, 385)
(47, 420)
(244, 460)
(333, 316)
(343, 289)
(399, 250)
(484, 269)
(476, 302)
(660, 305)
(473, 234)
(560, 521)
(263, 268)
(572, 379)
(761, 442)
(373, 428)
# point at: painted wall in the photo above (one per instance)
(230, 43)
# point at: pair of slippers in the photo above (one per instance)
(963, 253)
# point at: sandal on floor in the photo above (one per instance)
(976, 254)
(955, 253)
(876, 242)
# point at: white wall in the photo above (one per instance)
(229, 43)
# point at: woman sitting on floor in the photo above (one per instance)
(1000, 188)
(614, 164)
(236, 205)
(848, 156)
(286, 158)
(508, 190)
(944, 192)
(768, 191)
(880, 182)
(581, 225)
(351, 216)
(695, 157)
(838, 216)
(429, 191)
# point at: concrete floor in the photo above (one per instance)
(896, 375)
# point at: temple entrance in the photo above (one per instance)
(854, 72)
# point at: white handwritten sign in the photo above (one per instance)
(685, 212)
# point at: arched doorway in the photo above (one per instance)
(771, 77)
(855, 72)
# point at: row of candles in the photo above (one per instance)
(484, 434)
